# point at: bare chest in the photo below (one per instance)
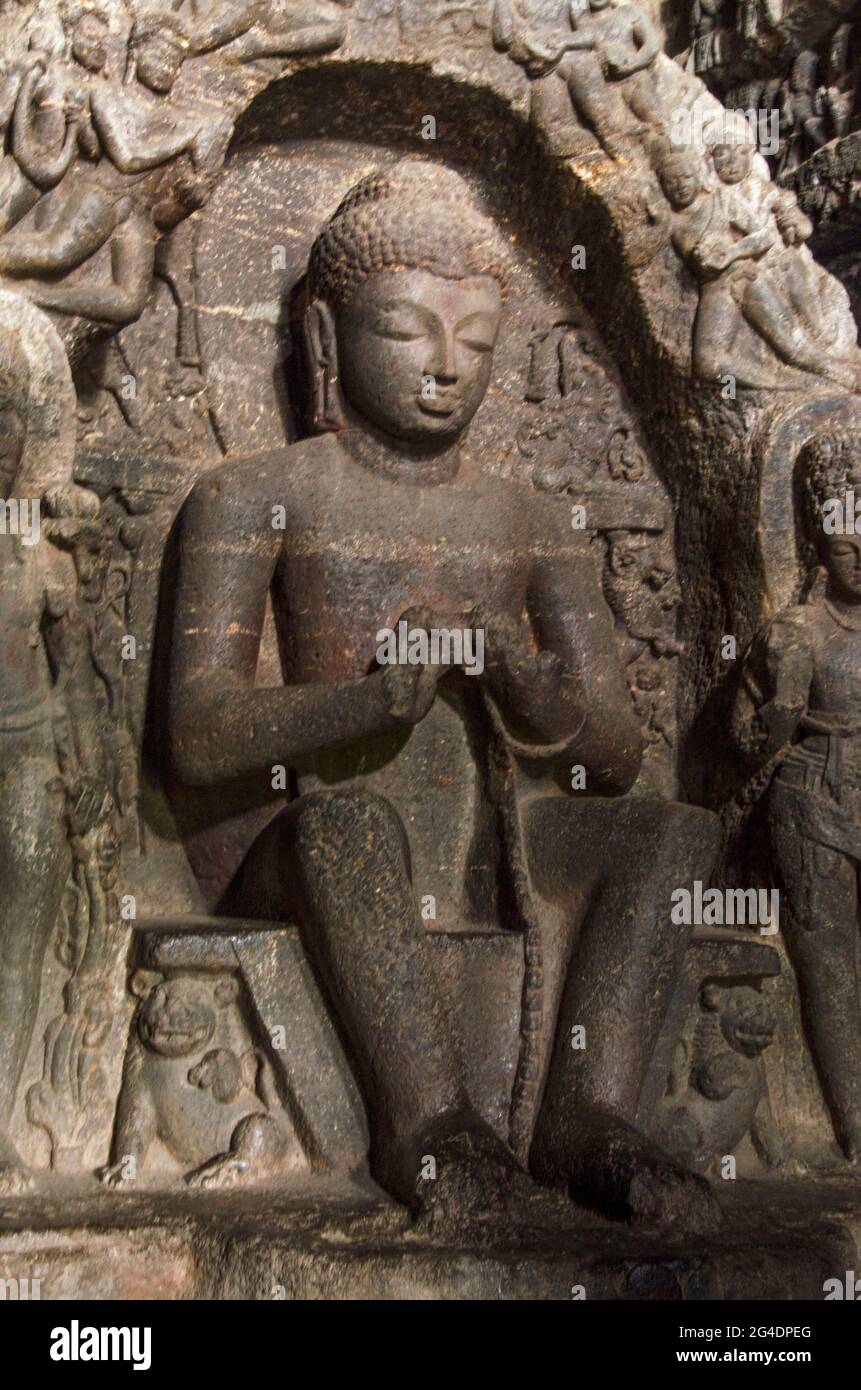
(355, 565)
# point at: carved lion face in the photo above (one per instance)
(746, 1021)
(415, 351)
(178, 1018)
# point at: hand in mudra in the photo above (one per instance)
(410, 690)
(513, 667)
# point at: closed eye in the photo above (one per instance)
(400, 335)
(477, 333)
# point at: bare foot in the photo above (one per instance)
(457, 1175)
(224, 1171)
(114, 1175)
(610, 1164)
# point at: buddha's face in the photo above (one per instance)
(841, 556)
(415, 351)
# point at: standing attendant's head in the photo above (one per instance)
(831, 477)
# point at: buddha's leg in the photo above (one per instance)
(347, 857)
(819, 917)
(33, 868)
(625, 960)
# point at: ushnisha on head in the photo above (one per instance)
(830, 470)
(406, 284)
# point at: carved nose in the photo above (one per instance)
(444, 367)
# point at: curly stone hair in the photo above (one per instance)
(412, 216)
(828, 466)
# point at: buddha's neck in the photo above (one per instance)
(399, 459)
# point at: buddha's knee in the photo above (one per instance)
(363, 820)
(691, 832)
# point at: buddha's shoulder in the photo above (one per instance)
(268, 478)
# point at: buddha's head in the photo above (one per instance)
(406, 284)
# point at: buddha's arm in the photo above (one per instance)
(221, 725)
(570, 619)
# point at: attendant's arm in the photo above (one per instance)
(120, 135)
(44, 170)
(775, 687)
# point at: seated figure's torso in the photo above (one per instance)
(359, 549)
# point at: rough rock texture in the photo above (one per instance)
(432, 661)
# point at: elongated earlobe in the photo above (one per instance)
(327, 412)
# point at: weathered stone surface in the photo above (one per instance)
(432, 660)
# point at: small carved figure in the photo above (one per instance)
(138, 130)
(642, 594)
(806, 114)
(725, 241)
(250, 29)
(717, 1092)
(625, 458)
(605, 60)
(214, 1109)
